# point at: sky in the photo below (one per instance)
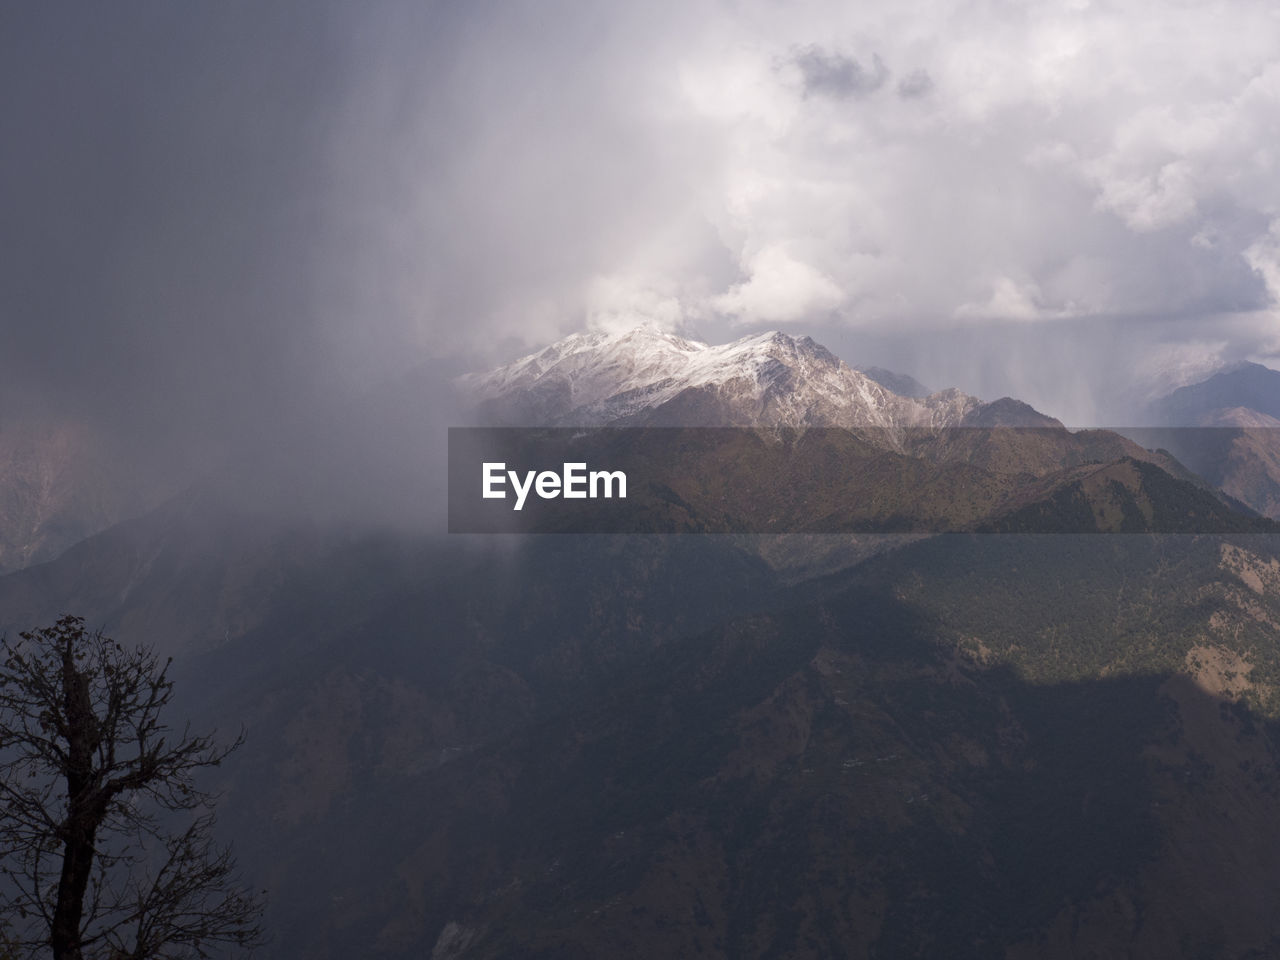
(219, 218)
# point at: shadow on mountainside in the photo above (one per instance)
(848, 775)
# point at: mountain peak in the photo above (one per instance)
(1008, 412)
(649, 376)
(1246, 385)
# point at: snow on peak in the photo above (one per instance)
(648, 375)
(590, 365)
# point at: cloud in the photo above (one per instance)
(780, 289)
(617, 303)
(836, 75)
(211, 216)
(716, 165)
(1263, 255)
(1009, 300)
(915, 84)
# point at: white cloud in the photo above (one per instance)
(1173, 365)
(616, 303)
(1149, 198)
(1009, 300)
(780, 289)
(1263, 255)
(903, 166)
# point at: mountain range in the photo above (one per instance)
(1245, 394)
(1225, 429)
(946, 461)
(963, 746)
(646, 377)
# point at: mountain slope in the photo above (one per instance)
(644, 377)
(1226, 429)
(974, 743)
(644, 746)
(1248, 385)
(59, 484)
(647, 377)
(903, 384)
(965, 747)
(835, 781)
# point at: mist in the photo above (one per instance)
(231, 230)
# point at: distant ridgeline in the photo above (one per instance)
(980, 479)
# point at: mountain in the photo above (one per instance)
(1246, 387)
(927, 762)
(646, 377)
(1007, 412)
(59, 483)
(904, 385)
(1226, 430)
(971, 746)
(1239, 417)
(980, 747)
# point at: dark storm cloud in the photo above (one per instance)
(221, 220)
(160, 183)
(836, 75)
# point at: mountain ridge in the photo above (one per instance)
(644, 376)
(970, 746)
(1225, 429)
(1244, 386)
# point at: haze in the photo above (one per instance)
(219, 219)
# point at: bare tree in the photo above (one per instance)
(92, 782)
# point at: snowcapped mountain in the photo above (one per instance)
(647, 377)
